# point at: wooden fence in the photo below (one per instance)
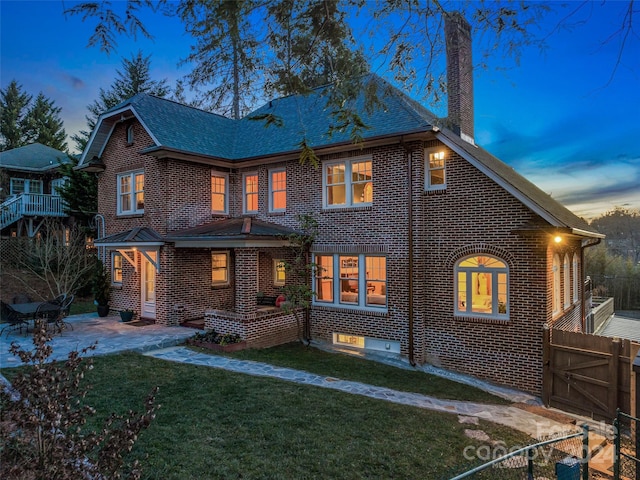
(588, 374)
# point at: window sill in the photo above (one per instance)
(379, 312)
(220, 286)
(130, 215)
(474, 319)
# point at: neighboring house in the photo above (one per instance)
(29, 183)
(428, 246)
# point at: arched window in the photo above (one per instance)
(576, 278)
(556, 284)
(567, 281)
(130, 134)
(482, 287)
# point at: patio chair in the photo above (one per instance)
(66, 307)
(59, 300)
(21, 298)
(49, 314)
(12, 318)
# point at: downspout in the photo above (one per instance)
(410, 240)
(582, 294)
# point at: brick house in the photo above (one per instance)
(428, 246)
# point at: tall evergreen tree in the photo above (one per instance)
(79, 193)
(14, 107)
(44, 125)
(133, 78)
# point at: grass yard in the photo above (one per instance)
(218, 424)
(348, 367)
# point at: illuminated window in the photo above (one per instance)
(567, 281)
(116, 268)
(220, 268)
(435, 169)
(250, 192)
(131, 193)
(576, 278)
(482, 287)
(277, 190)
(348, 183)
(279, 273)
(349, 340)
(556, 284)
(219, 194)
(324, 278)
(361, 280)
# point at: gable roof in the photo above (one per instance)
(33, 158)
(182, 129)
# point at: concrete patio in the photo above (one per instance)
(111, 334)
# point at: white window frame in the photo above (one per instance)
(57, 183)
(361, 296)
(555, 270)
(130, 135)
(245, 194)
(224, 176)
(576, 278)
(272, 190)
(429, 169)
(115, 269)
(567, 281)
(279, 272)
(26, 186)
(225, 282)
(132, 194)
(348, 182)
(466, 310)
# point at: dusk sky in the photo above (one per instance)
(559, 118)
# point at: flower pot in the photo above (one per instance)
(103, 310)
(126, 316)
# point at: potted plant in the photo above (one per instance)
(126, 315)
(101, 288)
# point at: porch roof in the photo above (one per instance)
(232, 233)
(136, 237)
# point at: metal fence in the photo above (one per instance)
(626, 443)
(564, 457)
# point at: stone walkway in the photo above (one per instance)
(163, 343)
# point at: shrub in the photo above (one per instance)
(43, 414)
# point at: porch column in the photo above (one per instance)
(246, 280)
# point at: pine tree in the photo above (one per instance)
(44, 125)
(133, 78)
(79, 193)
(14, 105)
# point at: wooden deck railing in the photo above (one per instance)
(30, 204)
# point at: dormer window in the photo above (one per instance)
(130, 135)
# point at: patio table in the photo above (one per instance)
(27, 310)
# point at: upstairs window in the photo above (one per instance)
(348, 183)
(556, 284)
(435, 168)
(576, 278)
(130, 135)
(219, 193)
(131, 193)
(277, 190)
(219, 268)
(482, 287)
(250, 192)
(567, 281)
(23, 185)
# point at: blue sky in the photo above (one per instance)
(558, 118)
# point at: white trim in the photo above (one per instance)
(428, 187)
(132, 194)
(469, 271)
(225, 175)
(113, 268)
(348, 182)
(276, 281)
(270, 172)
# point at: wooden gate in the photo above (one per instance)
(587, 374)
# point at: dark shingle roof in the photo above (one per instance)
(136, 235)
(33, 158)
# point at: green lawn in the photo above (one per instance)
(348, 367)
(218, 424)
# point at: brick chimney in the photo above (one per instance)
(459, 75)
